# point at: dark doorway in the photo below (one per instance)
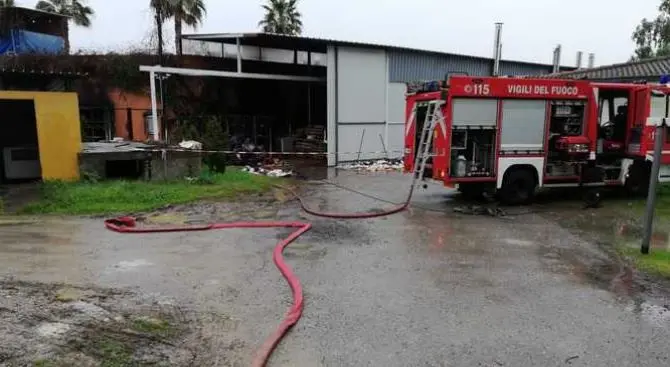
(19, 151)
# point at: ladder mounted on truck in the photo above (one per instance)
(433, 117)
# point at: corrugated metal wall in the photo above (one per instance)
(517, 68)
(406, 66)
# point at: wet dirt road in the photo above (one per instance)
(421, 288)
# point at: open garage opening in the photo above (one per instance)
(268, 95)
(276, 116)
(255, 121)
(19, 150)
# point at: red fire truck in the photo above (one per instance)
(511, 136)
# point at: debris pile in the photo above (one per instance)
(382, 165)
(493, 211)
(277, 172)
(310, 139)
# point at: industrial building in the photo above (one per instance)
(355, 90)
(649, 70)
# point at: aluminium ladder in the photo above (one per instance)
(433, 117)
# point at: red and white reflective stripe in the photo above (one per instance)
(410, 121)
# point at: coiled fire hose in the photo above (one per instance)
(128, 225)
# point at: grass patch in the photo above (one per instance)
(637, 206)
(114, 354)
(662, 203)
(657, 262)
(151, 326)
(109, 197)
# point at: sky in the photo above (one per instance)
(531, 30)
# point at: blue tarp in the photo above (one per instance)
(25, 42)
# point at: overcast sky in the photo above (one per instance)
(532, 27)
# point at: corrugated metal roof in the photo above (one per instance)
(265, 39)
(643, 69)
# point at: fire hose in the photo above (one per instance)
(129, 225)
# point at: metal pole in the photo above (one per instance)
(239, 54)
(154, 104)
(659, 137)
(360, 147)
(386, 154)
(497, 49)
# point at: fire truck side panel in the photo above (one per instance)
(522, 137)
(523, 122)
(519, 111)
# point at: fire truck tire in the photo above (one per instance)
(518, 187)
(637, 183)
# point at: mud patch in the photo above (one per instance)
(62, 325)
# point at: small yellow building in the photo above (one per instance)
(40, 135)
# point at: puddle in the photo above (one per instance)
(520, 243)
(131, 264)
(654, 315)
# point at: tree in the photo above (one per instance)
(76, 10)
(183, 12)
(7, 3)
(652, 37)
(282, 16)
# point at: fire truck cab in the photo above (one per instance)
(511, 136)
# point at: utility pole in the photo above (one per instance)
(659, 138)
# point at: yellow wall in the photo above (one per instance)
(58, 131)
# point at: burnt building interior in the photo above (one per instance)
(19, 151)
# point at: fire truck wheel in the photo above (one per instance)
(637, 183)
(518, 187)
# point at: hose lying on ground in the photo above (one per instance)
(129, 225)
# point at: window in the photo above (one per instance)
(523, 124)
(604, 111)
(95, 124)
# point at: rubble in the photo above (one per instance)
(267, 172)
(381, 165)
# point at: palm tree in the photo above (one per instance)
(7, 3)
(281, 16)
(76, 10)
(183, 12)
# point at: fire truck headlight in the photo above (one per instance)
(578, 148)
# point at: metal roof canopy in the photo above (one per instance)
(283, 41)
(157, 69)
(645, 69)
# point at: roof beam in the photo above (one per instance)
(228, 74)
